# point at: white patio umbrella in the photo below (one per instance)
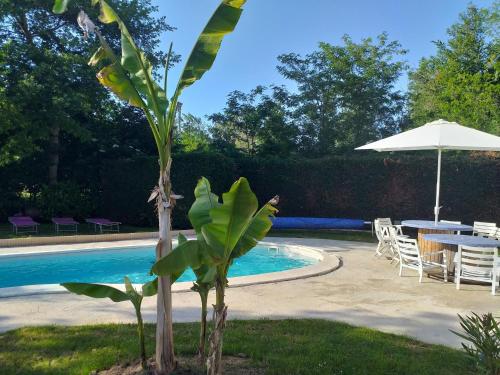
(437, 135)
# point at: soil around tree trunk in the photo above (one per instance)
(232, 365)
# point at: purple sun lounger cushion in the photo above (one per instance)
(64, 221)
(19, 222)
(22, 221)
(101, 221)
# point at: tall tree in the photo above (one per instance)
(49, 94)
(347, 94)
(256, 122)
(191, 134)
(461, 82)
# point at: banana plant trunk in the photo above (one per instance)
(140, 332)
(203, 324)
(165, 359)
(214, 361)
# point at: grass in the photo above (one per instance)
(48, 230)
(344, 235)
(279, 347)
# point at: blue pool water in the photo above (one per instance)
(109, 266)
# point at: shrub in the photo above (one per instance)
(483, 332)
(64, 199)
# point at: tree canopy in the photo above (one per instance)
(346, 95)
(461, 82)
(51, 102)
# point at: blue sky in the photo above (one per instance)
(271, 27)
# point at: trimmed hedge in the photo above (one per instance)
(348, 187)
(127, 184)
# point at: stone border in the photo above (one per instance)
(327, 263)
(81, 238)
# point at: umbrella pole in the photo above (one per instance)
(438, 185)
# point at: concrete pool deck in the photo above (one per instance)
(364, 291)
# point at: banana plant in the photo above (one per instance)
(116, 295)
(224, 231)
(204, 282)
(129, 76)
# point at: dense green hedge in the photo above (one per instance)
(352, 187)
(126, 185)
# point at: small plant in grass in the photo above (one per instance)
(483, 332)
(224, 231)
(116, 295)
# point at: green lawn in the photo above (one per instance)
(279, 347)
(344, 235)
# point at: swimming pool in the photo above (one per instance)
(111, 265)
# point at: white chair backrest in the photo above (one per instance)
(379, 224)
(484, 229)
(451, 222)
(393, 234)
(408, 249)
(477, 260)
(497, 234)
(384, 221)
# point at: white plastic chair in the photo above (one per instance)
(496, 270)
(477, 264)
(384, 242)
(455, 255)
(484, 229)
(451, 222)
(497, 234)
(410, 257)
(394, 232)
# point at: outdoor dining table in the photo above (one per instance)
(426, 227)
(462, 240)
(455, 240)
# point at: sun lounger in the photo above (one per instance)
(65, 224)
(23, 224)
(104, 225)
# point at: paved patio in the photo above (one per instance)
(364, 291)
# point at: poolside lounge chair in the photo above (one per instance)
(23, 224)
(65, 224)
(477, 264)
(410, 257)
(104, 225)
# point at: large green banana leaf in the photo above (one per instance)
(257, 230)
(222, 22)
(60, 6)
(97, 291)
(199, 213)
(134, 61)
(114, 78)
(185, 255)
(150, 288)
(230, 220)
